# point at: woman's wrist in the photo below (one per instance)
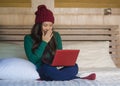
(45, 41)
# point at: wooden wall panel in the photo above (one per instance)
(79, 19)
(16, 19)
(87, 3)
(15, 3)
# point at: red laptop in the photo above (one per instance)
(65, 57)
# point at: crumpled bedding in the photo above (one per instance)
(104, 77)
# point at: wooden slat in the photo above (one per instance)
(65, 26)
(64, 37)
(75, 41)
(86, 32)
(15, 26)
(113, 50)
(114, 56)
(12, 37)
(9, 31)
(15, 42)
(14, 31)
(86, 38)
(86, 26)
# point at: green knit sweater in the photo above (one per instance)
(35, 57)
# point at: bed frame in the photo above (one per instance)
(69, 33)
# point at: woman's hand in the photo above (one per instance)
(47, 35)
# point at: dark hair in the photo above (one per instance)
(36, 34)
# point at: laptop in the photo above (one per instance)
(65, 57)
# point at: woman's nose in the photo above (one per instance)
(47, 28)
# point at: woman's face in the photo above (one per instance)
(47, 26)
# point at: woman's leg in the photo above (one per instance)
(43, 75)
(49, 73)
(66, 73)
(70, 71)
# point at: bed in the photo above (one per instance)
(97, 44)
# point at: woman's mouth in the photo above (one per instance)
(45, 32)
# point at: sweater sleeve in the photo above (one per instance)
(36, 56)
(58, 40)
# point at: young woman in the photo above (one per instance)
(41, 45)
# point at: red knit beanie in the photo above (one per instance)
(43, 14)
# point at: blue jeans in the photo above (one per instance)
(49, 73)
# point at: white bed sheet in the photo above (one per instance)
(105, 77)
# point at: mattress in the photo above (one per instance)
(104, 77)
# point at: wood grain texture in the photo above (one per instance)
(15, 3)
(87, 3)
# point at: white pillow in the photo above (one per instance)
(17, 68)
(92, 54)
(12, 50)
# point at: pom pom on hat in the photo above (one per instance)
(43, 14)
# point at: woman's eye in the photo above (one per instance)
(45, 25)
(51, 25)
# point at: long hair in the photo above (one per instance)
(36, 34)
